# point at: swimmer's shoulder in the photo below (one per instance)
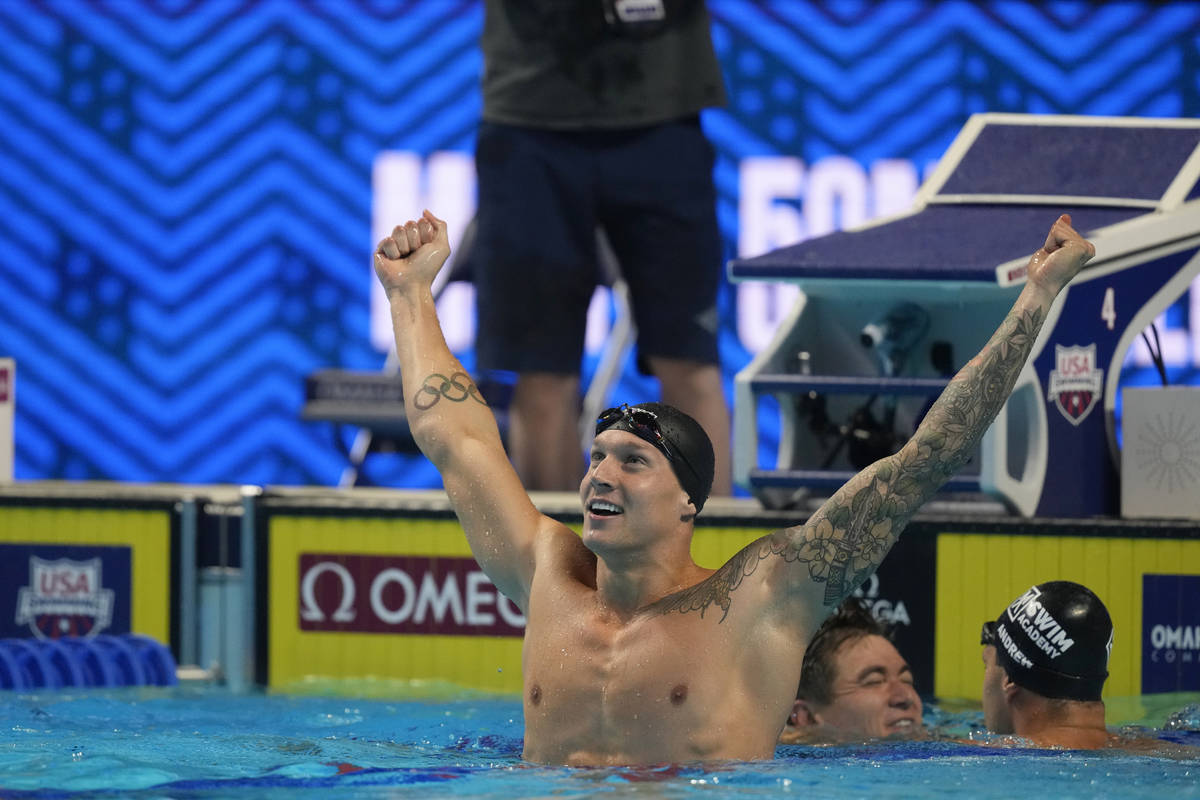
(560, 552)
(1124, 743)
(1142, 745)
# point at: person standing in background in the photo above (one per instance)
(591, 121)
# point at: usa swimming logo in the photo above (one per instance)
(1076, 383)
(64, 598)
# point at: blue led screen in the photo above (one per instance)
(186, 188)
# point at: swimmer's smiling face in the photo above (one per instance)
(629, 488)
(872, 694)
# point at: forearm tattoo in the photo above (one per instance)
(846, 541)
(457, 388)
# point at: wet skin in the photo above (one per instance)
(634, 654)
(873, 693)
(996, 714)
(608, 683)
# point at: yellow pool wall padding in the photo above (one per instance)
(146, 532)
(490, 663)
(978, 575)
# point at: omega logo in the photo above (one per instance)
(309, 609)
(402, 594)
(882, 609)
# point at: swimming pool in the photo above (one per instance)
(201, 742)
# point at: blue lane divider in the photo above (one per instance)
(12, 675)
(128, 659)
(155, 659)
(98, 670)
(35, 661)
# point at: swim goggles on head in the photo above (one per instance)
(643, 424)
(1041, 678)
(640, 422)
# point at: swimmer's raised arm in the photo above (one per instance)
(824, 560)
(449, 419)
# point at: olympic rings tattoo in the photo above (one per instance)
(436, 386)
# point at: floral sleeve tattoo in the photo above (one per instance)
(846, 540)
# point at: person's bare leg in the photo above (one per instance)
(696, 390)
(543, 431)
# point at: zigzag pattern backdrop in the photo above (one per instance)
(185, 186)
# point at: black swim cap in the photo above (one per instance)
(688, 447)
(1055, 640)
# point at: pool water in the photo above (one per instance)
(198, 742)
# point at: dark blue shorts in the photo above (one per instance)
(542, 194)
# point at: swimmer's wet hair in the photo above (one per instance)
(851, 621)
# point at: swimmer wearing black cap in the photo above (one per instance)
(634, 653)
(1045, 661)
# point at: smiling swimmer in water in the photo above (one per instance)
(633, 653)
(854, 684)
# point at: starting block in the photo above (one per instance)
(890, 310)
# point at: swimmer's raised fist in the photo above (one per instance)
(1061, 257)
(413, 254)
